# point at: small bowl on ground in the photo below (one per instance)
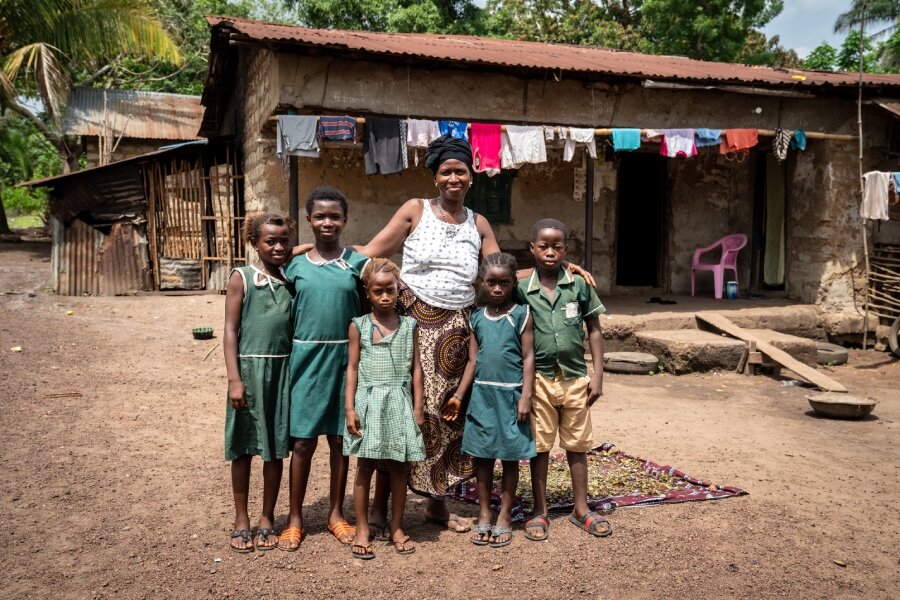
(840, 406)
(202, 333)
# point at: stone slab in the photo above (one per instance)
(693, 350)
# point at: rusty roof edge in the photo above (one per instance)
(799, 77)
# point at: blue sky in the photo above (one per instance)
(804, 24)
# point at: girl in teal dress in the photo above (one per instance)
(384, 402)
(327, 283)
(257, 346)
(501, 367)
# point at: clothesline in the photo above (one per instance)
(877, 193)
(607, 131)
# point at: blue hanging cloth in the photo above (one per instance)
(457, 129)
(799, 140)
(626, 140)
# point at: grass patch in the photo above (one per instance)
(25, 221)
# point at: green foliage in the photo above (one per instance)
(408, 16)
(714, 30)
(848, 55)
(24, 155)
(822, 58)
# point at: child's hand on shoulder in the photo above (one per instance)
(595, 389)
(524, 408)
(236, 394)
(352, 423)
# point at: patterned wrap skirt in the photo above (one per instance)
(443, 352)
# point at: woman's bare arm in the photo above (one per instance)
(489, 243)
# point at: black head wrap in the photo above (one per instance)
(445, 148)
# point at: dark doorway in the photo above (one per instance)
(640, 220)
(769, 214)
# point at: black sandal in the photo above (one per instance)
(244, 534)
(538, 521)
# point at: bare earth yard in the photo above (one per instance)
(122, 492)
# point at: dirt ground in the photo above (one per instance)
(122, 492)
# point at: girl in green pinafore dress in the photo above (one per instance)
(327, 295)
(257, 347)
(384, 402)
(500, 372)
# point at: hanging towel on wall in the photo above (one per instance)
(579, 135)
(296, 136)
(522, 144)
(875, 195)
(896, 177)
(486, 142)
(421, 132)
(455, 128)
(799, 140)
(337, 128)
(550, 132)
(678, 142)
(738, 140)
(383, 146)
(708, 137)
(626, 140)
(653, 135)
(781, 142)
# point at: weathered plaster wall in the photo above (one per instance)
(709, 198)
(265, 188)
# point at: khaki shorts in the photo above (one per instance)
(560, 405)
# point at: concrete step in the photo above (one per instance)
(693, 350)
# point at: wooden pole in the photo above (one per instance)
(859, 103)
(589, 214)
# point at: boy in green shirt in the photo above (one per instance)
(561, 304)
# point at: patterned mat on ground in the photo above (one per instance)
(613, 477)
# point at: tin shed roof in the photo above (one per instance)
(145, 115)
(534, 55)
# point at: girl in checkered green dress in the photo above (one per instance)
(383, 402)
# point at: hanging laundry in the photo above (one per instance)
(421, 132)
(455, 128)
(383, 146)
(626, 140)
(296, 136)
(522, 144)
(738, 140)
(337, 128)
(404, 150)
(896, 177)
(486, 143)
(678, 142)
(799, 140)
(653, 135)
(875, 195)
(550, 132)
(781, 142)
(579, 135)
(708, 137)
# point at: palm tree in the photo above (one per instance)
(42, 42)
(882, 13)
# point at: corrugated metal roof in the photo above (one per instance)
(534, 55)
(146, 115)
(892, 106)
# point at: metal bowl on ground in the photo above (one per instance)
(202, 333)
(840, 406)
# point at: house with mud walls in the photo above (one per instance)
(636, 217)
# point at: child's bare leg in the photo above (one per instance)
(539, 466)
(379, 508)
(298, 478)
(397, 477)
(578, 469)
(484, 477)
(272, 470)
(340, 465)
(240, 487)
(507, 492)
(364, 469)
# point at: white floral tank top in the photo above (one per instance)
(440, 260)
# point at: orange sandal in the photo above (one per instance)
(290, 535)
(343, 531)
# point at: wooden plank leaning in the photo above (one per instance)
(780, 356)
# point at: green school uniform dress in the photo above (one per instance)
(326, 299)
(264, 347)
(492, 427)
(383, 402)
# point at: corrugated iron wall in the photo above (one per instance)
(87, 262)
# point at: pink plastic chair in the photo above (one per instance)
(731, 245)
